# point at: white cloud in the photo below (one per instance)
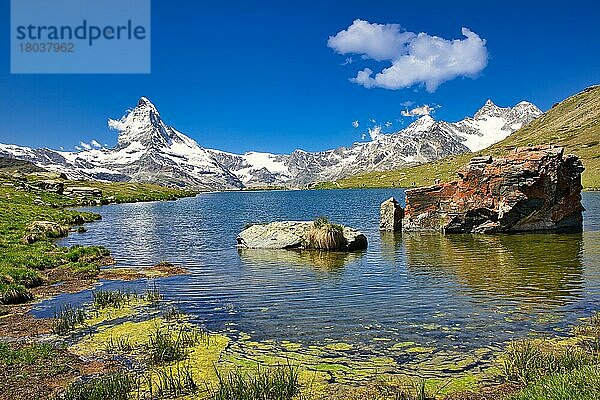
(388, 124)
(355, 124)
(407, 103)
(85, 146)
(415, 58)
(375, 132)
(95, 144)
(418, 111)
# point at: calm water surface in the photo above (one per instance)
(450, 293)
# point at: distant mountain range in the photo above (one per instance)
(574, 124)
(149, 150)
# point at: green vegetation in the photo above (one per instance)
(111, 298)
(113, 386)
(528, 360)
(557, 369)
(31, 218)
(578, 384)
(277, 383)
(25, 355)
(573, 123)
(67, 319)
(171, 382)
(163, 346)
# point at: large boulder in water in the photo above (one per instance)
(531, 189)
(300, 235)
(390, 215)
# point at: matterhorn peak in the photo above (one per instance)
(142, 125)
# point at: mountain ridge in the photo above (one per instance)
(573, 123)
(149, 150)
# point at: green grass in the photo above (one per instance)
(166, 346)
(579, 384)
(573, 123)
(113, 386)
(27, 355)
(527, 360)
(22, 265)
(171, 382)
(276, 383)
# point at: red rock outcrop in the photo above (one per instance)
(531, 189)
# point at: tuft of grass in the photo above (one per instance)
(67, 319)
(153, 295)
(277, 383)
(111, 298)
(580, 384)
(165, 346)
(171, 382)
(14, 293)
(591, 327)
(120, 344)
(324, 235)
(113, 386)
(526, 361)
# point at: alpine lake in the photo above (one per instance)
(425, 305)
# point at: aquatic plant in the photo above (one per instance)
(67, 319)
(120, 344)
(171, 382)
(164, 346)
(324, 235)
(276, 383)
(111, 298)
(113, 386)
(26, 355)
(153, 295)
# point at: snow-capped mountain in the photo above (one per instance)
(148, 150)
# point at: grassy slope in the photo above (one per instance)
(574, 123)
(22, 265)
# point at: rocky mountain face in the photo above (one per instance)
(148, 150)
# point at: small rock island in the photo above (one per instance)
(532, 189)
(316, 235)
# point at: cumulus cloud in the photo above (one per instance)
(95, 144)
(415, 58)
(418, 111)
(355, 124)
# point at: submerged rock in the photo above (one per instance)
(531, 189)
(391, 214)
(294, 235)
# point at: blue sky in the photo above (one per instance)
(242, 75)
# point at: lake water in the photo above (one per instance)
(449, 295)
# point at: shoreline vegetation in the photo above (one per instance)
(126, 345)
